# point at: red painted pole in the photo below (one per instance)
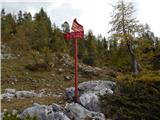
(76, 69)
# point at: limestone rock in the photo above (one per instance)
(7, 96)
(26, 94)
(43, 112)
(76, 112)
(90, 92)
(57, 116)
(56, 107)
(9, 90)
(90, 101)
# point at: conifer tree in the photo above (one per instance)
(125, 24)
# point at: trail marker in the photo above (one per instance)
(78, 32)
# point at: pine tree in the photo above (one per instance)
(58, 43)
(3, 13)
(42, 30)
(25, 33)
(8, 26)
(27, 16)
(20, 17)
(65, 27)
(43, 17)
(91, 46)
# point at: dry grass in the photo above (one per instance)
(52, 81)
(20, 104)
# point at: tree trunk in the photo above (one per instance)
(134, 63)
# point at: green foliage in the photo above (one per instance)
(22, 38)
(9, 116)
(133, 100)
(91, 47)
(58, 43)
(20, 18)
(41, 60)
(125, 24)
(121, 59)
(47, 56)
(8, 26)
(43, 17)
(40, 37)
(148, 58)
(25, 34)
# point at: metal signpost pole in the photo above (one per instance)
(78, 32)
(76, 69)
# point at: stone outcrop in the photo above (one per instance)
(88, 106)
(90, 92)
(44, 112)
(12, 93)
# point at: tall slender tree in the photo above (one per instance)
(125, 24)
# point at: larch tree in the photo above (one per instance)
(125, 24)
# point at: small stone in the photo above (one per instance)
(12, 83)
(48, 85)
(53, 75)
(60, 70)
(67, 78)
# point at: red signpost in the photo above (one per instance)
(78, 33)
(74, 35)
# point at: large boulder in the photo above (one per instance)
(77, 112)
(39, 111)
(90, 101)
(57, 116)
(57, 108)
(100, 87)
(43, 112)
(89, 93)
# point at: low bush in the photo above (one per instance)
(133, 100)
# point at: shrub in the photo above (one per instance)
(133, 100)
(42, 60)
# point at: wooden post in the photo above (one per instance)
(76, 69)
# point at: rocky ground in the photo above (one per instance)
(23, 88)
(87, 107)
(48, 94)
